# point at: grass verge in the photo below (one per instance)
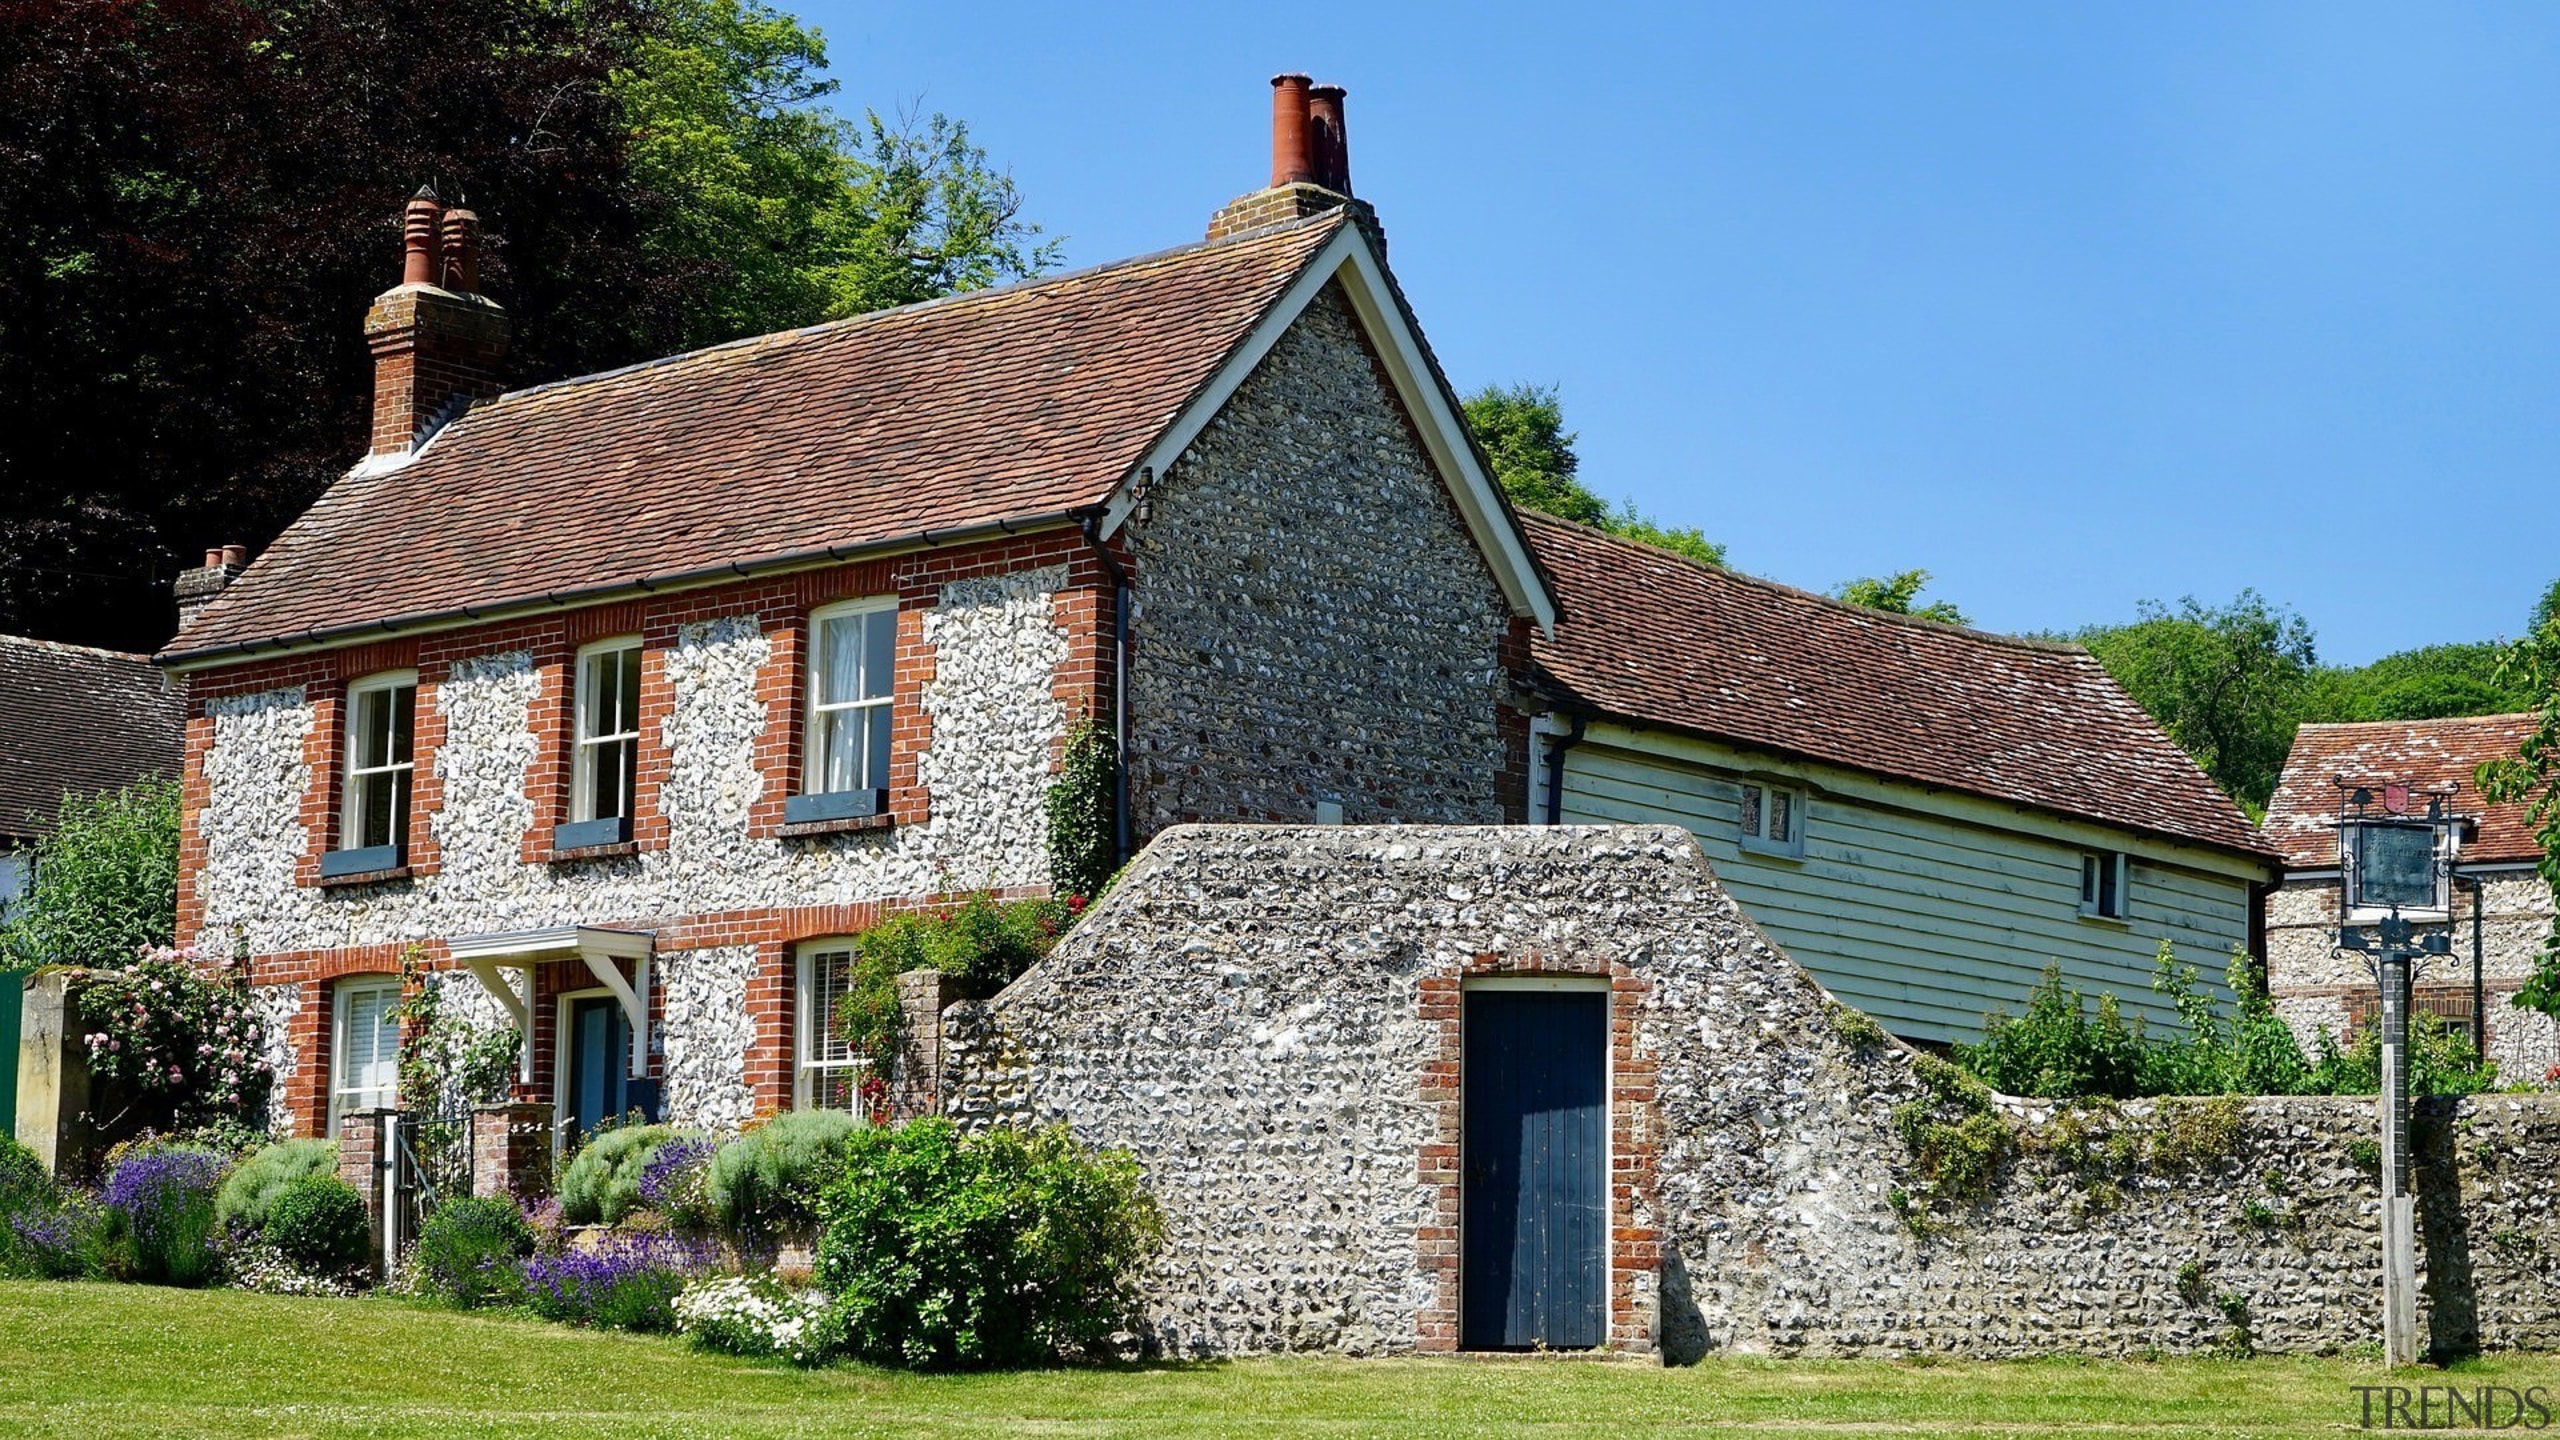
(91, 1360)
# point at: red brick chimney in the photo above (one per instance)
(1310, 162)
(437, 345)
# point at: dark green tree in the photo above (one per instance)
(2432, 682)
(198, 199)
(1521, 430)
(1899, 594)
(2226, 682)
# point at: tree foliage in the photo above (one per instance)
(2531, 777)
(198, 199)
(1521, 430)
(792, 213)
(2226, 682)
(105, 883)
(1899, 594)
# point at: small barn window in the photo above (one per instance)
(2102, 884)
(1772, 819)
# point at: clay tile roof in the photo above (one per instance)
(1652, 638)
(2424, 754)
(998, 405)
(74, 719)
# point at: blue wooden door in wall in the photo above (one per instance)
(599, 1060)
(1535, 1203)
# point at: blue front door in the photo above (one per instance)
(599, 1043)
(1534, 1212)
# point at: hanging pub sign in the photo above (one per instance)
(2392, 861)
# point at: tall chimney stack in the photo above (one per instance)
(1310, 163)
(437, 344)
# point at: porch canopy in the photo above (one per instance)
(600, 949)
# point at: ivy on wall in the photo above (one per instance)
(1084, 849)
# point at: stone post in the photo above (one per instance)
(511, 1150)
(915, 1084)
(53, 1077)
(360, 1164)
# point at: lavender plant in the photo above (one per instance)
(630, 1282)
(159, 1223)
(671, 1183)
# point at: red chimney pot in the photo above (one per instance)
(1290, 160)
(462, 251)
(418, 234)
(1330, 143)
(231, 555)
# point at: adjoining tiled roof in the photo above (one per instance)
(74, 719)
(1652, 638)
(2302, 819)
(995, 406)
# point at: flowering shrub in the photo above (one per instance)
(736, 1315)
(630, 1282)
(471, 1252)
(44, 1234)
(159, 1224)
(60, 1243)
(949, 1251)
(181, 1049)
(253, 1264)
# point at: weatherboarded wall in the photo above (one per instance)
(1925, 908)
(1268, 1017)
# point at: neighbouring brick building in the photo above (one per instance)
(2499, 904)
(624, 700)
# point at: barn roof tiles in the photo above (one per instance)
(1649, 637)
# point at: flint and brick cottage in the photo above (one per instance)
(2500, 908)
(624, 700)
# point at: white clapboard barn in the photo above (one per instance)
(1924, 815)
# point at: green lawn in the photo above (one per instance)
(89, 1360)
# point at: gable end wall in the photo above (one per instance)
(1313, 620)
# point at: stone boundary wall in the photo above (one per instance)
(1261, 1015)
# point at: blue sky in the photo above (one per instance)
(2073, 305)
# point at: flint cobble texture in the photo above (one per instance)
(1313, 621)
(1243, 1014)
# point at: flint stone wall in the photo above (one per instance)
(1312, 620)
(1244, 1014)
(995, 715)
